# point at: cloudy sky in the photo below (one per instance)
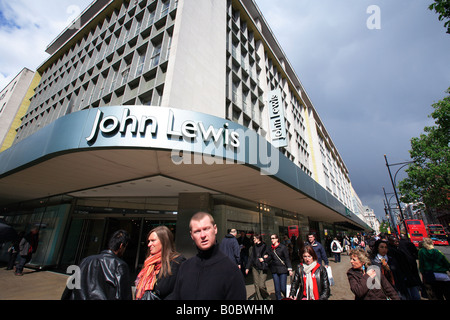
(373, 88)
(372, 69)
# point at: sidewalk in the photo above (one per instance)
(47, 285)
(33, 285)
(340, 291)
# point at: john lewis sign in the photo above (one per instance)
(144, 125)
(192, 137)
(276, 120)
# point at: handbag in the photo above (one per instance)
(263, 265)
(330, 275)
(439, 276)
(150, 295)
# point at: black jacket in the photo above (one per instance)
(279, 260)
(102, 277)
(230, 247)
(210, 275)
(259, 251)
(164, 286)
(323, 283)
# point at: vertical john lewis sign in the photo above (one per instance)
(276, 120)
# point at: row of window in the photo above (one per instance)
(247, 95)
(335, 180)
(96, 68)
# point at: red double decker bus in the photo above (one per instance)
(437, 233)
(415, 229)
(293, 231)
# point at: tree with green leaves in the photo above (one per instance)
(386, 227)
(428, 180)
(442, 7)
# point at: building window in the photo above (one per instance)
(151, 18)
(165, 8)
(125, 74)
(114, 80)
(236, 115)
(138, 27)
(140, 67)
(169, 46)
(155, 56)
(234, 90)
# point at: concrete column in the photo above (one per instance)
(188, 205)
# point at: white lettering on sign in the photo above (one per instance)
(192, 141)
(189, 129)
(111, 124)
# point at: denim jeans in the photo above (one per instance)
(337, 257)
(21, 263)
(280, 281)
(413, 293)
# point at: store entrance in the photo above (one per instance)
(90, 236)
(138, 229)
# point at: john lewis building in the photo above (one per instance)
(149, 111)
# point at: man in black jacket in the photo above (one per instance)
(104, 276)
(210, 275)
(230, 247)
(318, 248)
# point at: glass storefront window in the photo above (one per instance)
(50, 222)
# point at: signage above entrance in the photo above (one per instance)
(192, 137)
(148, 124)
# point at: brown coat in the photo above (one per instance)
(359, 286)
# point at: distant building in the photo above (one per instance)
(357, 205)
(13, 106)
(371, 219)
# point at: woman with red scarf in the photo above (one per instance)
(280, 266)
(311, 279)
(156, 280)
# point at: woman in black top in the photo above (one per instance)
(280, 266)
(258, 262)
(156, 280)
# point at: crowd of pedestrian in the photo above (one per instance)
(390, 267)
(382, 267)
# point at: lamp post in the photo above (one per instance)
(393, 183)
(387, 207)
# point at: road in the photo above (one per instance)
(445, 250)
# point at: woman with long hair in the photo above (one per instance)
(381, 258)
(156, 280)
(280, 266)
(310, 279)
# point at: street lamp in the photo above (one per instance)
(387, 208)
(393, 183)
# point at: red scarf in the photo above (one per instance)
(146, 279)
(315, 287)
